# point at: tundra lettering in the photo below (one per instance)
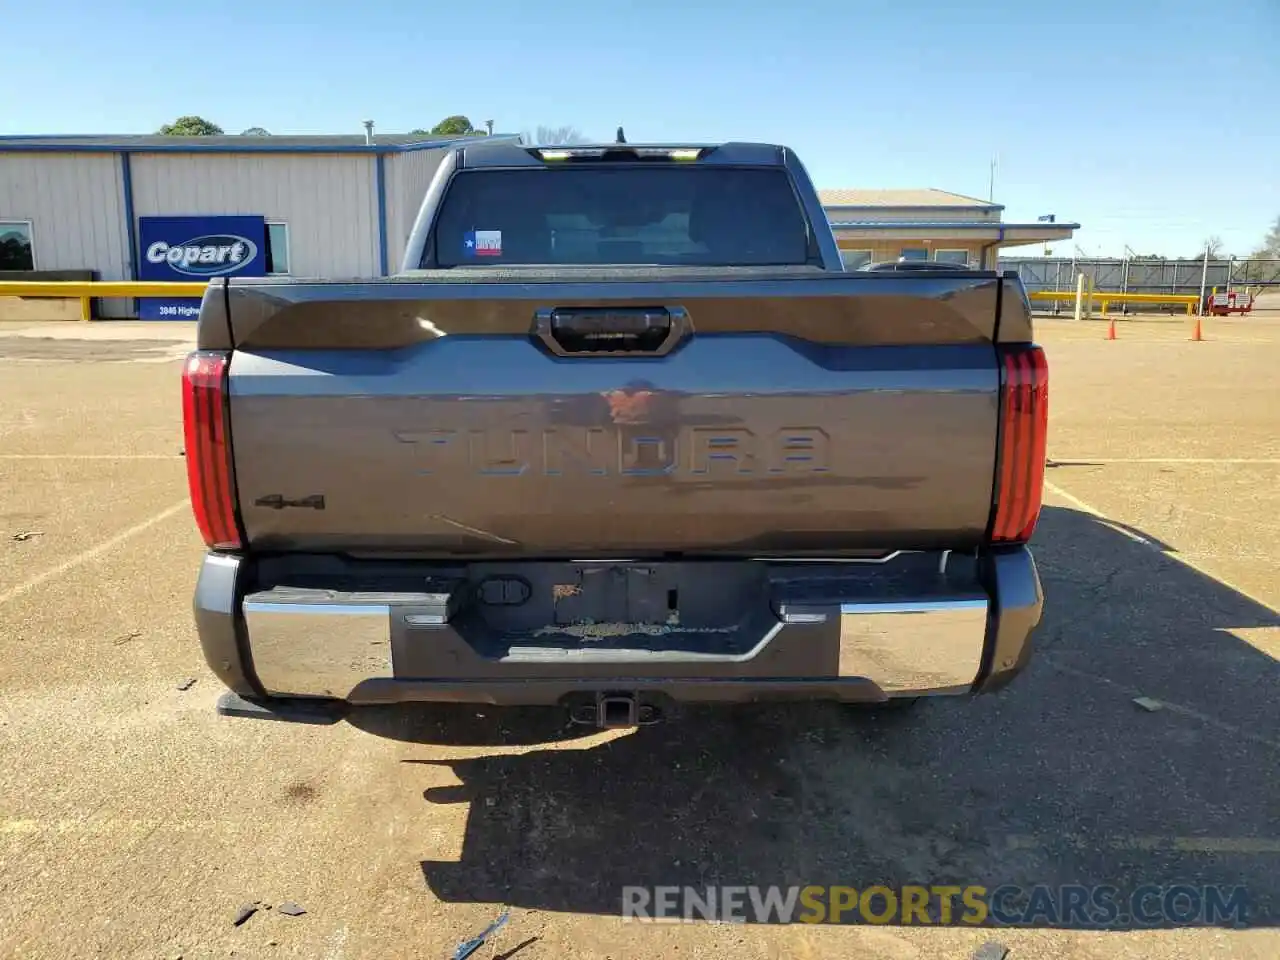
(597, 451)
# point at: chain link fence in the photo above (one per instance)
(1146, 276)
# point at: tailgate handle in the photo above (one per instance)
(612, 331)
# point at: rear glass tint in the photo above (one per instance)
(677, 215)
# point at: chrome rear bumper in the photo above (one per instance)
(379, 647)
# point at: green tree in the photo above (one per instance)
(190, 127)
(255, 132)
(455, 126)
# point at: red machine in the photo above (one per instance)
(1224, 304)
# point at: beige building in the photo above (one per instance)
(928, 224)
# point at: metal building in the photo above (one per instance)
(333, 206)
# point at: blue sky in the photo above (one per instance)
(1154, 124)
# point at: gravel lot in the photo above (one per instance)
(135, 823)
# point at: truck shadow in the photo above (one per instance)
(1058, 780)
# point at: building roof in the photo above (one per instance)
(946, 225)
(993, 231)
(157, 143)
(924, 197)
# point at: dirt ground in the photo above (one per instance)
(134, 822)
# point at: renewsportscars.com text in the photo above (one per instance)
(1078, 906)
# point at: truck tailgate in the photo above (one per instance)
(783, 414)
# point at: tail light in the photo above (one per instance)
(1024, 423)
(204, 426)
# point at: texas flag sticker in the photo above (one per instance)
(482, 243)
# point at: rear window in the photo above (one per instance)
(678, 215)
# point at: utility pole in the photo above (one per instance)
(1124, 284)
(991, 183)
(1204, 279)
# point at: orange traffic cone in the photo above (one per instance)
(1111, 330)
(1195, 334)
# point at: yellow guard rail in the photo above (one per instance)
(1105, 298)
(87, 290)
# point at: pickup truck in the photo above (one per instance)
(621, 434)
